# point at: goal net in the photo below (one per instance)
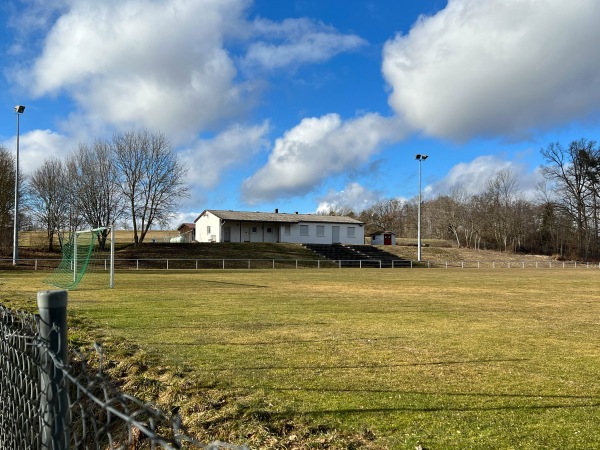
(86, 251)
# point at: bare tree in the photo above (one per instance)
(456, 216)
(573, 173)
(152, 179)
(7, 194)
(49, 197)
(97, 196)
(385, 215)
(499, 200)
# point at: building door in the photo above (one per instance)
(335, 234)
(246, 233)
(227, 234)
(387, 239)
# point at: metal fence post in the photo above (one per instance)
(54, 398)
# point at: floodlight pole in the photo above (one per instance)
(419, 158)
(19, 109)
(112, 256)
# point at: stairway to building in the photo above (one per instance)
(358, 255)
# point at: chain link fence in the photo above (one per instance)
(53, 399)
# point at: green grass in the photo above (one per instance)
(450, 359)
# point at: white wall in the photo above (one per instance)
(234, 231)
(202, 232)
(295, 235)
(379, 239)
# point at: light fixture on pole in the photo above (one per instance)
(19, 109)
(419, 158)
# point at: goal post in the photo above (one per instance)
(80, 254)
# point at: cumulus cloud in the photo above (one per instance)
(294, 42)
(166, 64)
(354, 197)
(496, 67)
(182, 217)
(38, 145)
(118, 61)
(472, 177)
(315, 149)
(208, 158)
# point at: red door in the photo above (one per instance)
(387, 239)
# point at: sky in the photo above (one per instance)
(306, 105)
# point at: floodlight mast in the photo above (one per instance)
(419, 157)
(19, 109)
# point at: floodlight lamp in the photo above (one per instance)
(417, 156)
(19, 109)
(424, 157)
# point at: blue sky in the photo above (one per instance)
(307, 105)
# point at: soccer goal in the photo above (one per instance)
(86, 251)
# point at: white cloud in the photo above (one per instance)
(157, 64)
(472, 177)
(354, 197)
(38, 145)
(315, 149)
(297, 41)
(182, 217)
(496, 67)
(208, 158)
(164, 64)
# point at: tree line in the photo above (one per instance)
(563, 219)
(134, 178)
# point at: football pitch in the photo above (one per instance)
(446, 359)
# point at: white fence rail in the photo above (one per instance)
(250, 263)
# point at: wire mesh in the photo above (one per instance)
(75, 259)
(97, 415)
(19, 383)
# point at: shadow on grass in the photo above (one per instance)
(368, 366)
(437, 409)
(424, 393)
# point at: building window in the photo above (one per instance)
(321, 230)
(269, 230)
(303, 230)
(287, 229)
(351, 232)
(208, 229)
(254, 229)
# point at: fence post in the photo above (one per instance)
(54, 397)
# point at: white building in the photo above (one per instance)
(236, 226)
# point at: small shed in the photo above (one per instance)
(383, 238)
(187, 232)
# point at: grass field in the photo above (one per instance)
(448, 359)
